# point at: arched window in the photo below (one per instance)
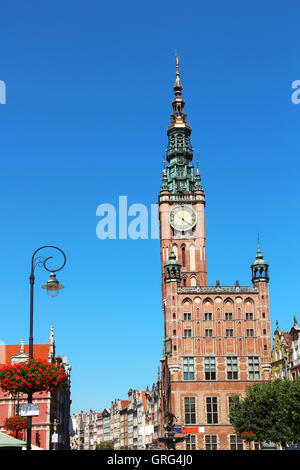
(183, 256)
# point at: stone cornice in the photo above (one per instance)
(217, 290)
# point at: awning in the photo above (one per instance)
(8, 441)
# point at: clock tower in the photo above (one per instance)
(182, 200)
(217, 339)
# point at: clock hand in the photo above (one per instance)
(188, 223)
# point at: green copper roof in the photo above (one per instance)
(172, 261)
(259, 259)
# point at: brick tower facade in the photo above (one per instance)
(217, 338)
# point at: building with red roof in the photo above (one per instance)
(51, 429)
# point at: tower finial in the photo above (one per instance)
(198, 156)
(177, 86)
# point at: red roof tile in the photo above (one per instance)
(40, 351)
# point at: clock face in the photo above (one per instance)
(183, 218)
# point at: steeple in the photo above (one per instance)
(178, 118)
(198, 186)
(179, 177)
(260, 268)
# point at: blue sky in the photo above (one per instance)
(89, 90)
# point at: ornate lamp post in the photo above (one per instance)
(52, 286)
(169, 438)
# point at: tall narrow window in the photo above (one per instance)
(212, 410)
(189, 410)
(183, 256)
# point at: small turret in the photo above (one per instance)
(198, 185)
(260, 268)
(164, 186)
(172, 269)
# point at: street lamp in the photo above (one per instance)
(52, 286)
(169, 438)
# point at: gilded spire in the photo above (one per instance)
(177, 86)
(178, 118)
(259, 253)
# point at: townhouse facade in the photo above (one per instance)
(281, 354)
(132, 424)
(51, 428)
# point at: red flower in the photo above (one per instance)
(248, 436)
(31, 377)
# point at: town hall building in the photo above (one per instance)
(217, 338)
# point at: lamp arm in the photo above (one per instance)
(43, 261)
